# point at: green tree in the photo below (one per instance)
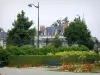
(77, 33)
(97, 44)
(57, 42)
(21, 33)
(90, 44)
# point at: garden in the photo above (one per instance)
(71, 59)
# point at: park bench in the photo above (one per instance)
(89, 60)
(53, 63)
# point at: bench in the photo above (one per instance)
(53, 63)
(89, 60)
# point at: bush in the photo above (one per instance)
(3, 55)
(29, 50)
(32, 59)
(42, 59)
(75, 53)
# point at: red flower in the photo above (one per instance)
(91, 64)
(29, 65)
(71, 68)
(63, 67)
(88, 68)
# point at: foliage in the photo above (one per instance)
(50, 54)
(75, 53)
(65, 20)
(77, 33)
(3, 55)
(90, 44)
(42, 59)
(60, 22)
(21, 33)
(30, 50)
(31, 59)
(57, 42)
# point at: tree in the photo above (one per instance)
(97, 44)
(59, 22)
(54, 24)
(1, 29)
(65, 20)
(77, 33)
(56, 41)
(21, 33)
(90, 44)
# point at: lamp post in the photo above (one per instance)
(30, 5)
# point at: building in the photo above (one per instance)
(3, 36)
(48, 33)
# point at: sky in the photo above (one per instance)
(50, 11)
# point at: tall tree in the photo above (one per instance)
(65, 20)
(77, 33)
(54, 24)
(21, 33)
(59, 22)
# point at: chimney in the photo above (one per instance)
(42, 28)
(64, 26)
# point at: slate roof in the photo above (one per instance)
(59, 27)
(50, 30)
(3, 34)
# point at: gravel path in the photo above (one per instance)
(37, 71)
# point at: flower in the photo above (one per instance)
(63, 67)
(71, 68)
(29, 65)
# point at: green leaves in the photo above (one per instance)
(21, 31)
(57, 42)
(77, 33)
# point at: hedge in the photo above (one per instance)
(31, 59)
(28, 50)
(42, 59)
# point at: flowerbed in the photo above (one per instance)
(80, 68)
(24, 66)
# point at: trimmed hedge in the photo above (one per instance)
(76, 53)
(42, 59)
(32, 59)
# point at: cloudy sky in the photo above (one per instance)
(51, 10)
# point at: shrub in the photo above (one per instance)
(3, 55)
(75, 53)
(13, 50)
(31, 59)
(29, 50)
(42, 59)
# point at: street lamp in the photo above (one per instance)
(30, 5)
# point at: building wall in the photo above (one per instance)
(1, 42)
